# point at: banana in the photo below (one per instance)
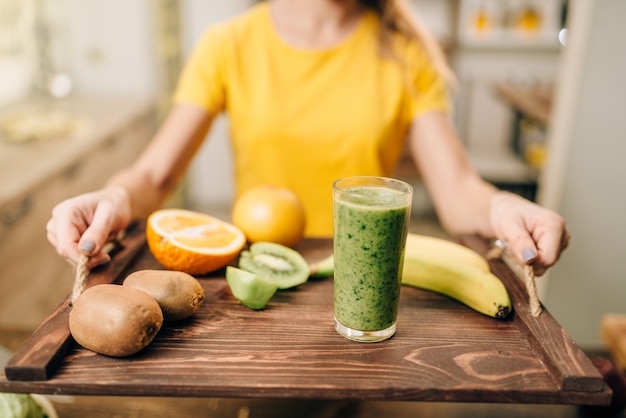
(456, 271)
(428, 246)
(478, 289)
(448, 268)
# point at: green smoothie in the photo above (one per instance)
(371, 224)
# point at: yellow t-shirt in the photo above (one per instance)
(305, 118)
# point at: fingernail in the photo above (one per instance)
(528, 255)
(87, 246)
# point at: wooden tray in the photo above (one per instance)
(442, 351)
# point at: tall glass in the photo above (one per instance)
(371, 218)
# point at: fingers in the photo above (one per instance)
(542, 253)
(63, 232)
(66, 242)
(97, 233)
(83, 225)
(519, 242)
(550, 246)
(534, 235)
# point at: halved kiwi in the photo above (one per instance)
(283, 265)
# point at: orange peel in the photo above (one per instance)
(192, 242)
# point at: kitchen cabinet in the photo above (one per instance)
(39, 173)
(493, 49)
(531, 108)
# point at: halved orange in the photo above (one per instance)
(192, 242)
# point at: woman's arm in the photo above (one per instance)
(467, 204)
(460, 196)
(84, 223)
(159, 168)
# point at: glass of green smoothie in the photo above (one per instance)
(371, 219)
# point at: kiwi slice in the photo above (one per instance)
(283, 265)
(251, 290)
(323, 268)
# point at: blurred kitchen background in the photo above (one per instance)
(84, 84)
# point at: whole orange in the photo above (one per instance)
(270, 213)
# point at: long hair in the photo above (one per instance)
(397, 18)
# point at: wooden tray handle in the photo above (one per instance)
(43, 352)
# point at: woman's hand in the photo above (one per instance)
(533, 234)
(83, 224)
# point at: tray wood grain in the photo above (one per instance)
(442, 351)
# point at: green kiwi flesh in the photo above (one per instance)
(283, 265)
(323, 268)
(251, 290)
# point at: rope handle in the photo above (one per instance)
(82, 272)
(497, 253)
(529, 279)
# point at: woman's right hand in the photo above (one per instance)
(83, 224)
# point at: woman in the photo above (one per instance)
(315, 90)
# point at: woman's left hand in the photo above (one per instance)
(533, 234)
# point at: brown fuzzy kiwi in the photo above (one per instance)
(179, 294)
(114, 320)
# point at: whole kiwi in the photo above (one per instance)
(179, 294)
(114, 320)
